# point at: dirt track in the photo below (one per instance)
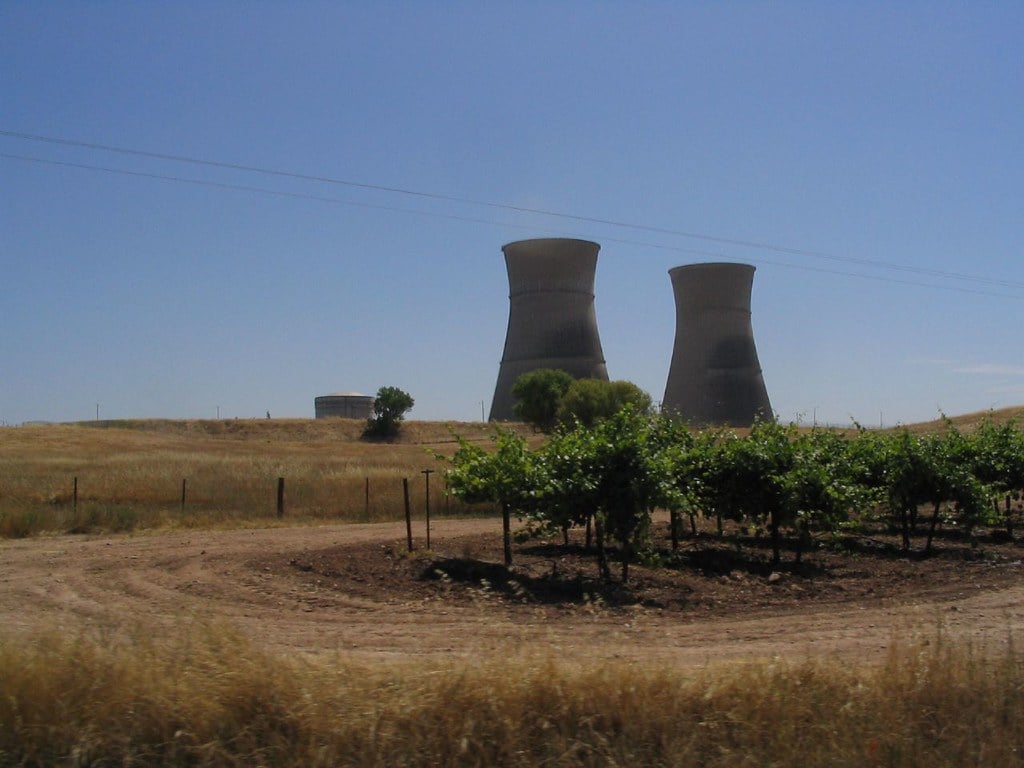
(164, 579)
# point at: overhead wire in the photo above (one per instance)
(488, 222)
(877, 264)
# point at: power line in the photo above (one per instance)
(873, 263)
(823, 270)
(238, 187)
(489, 222)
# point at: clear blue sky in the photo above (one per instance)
(850, 132)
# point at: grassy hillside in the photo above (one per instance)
(130, 473)
(969, 421)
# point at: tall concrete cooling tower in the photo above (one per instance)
(551, 319)
(715, 377)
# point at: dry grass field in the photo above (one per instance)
(210, 697)
(221, 635)
(130, 473)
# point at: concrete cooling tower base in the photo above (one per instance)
(715, 377)
(551, 320)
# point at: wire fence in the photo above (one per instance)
(92, 503)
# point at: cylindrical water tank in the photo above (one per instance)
(715, 376)
(344, 405)
(551, 319)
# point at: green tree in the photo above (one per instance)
(777, 478)
(686, 453)
(633, 477)
(618, 471)
(570, 495)
(510, 476)
(953, 458)
(911, 471)
(588, 401)
(538, 394)
(906, 473)
(999, 462)
(824, 487)
(756, 468)
(389, 411)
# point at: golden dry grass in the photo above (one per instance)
(969, 422)
(130, 473)
(206, 697)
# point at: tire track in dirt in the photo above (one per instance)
(160, 580)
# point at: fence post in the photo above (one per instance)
(183, 494)
(366, 514)
(427, 473)
(447, 496)
(74, 496)
(408, 512)
(280, 497)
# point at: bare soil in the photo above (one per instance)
(355, 588)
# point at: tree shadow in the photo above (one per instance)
(946, 545)
(549, 589)
(550, 549)
(752, 558)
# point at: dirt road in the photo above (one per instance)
(164, 579)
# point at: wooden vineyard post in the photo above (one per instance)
(408, 512)
(447, 496)
(506, 534)
(280, 497)
(427, 473)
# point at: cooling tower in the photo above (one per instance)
(551, 319)
(715, 377)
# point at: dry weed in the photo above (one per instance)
(206, 696)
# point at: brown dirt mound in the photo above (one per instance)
(708, 576)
